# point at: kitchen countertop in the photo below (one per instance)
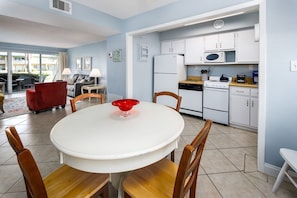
(197, 80)
(249, 85)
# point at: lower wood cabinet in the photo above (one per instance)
(244, 107)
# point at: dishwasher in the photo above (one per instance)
(191, 98)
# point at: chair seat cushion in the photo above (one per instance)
(160, 176)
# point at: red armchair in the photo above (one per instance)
(46, 96)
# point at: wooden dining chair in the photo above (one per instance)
(167, 179)
(168, 94)
(63, 182)
(84, 96)
(175, 97)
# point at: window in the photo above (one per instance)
(3, 62)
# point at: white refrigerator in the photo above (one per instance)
(168, 71)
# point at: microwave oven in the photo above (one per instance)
(214, 57)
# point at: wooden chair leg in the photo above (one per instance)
(172, 156)
(103, 192)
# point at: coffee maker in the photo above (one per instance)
(255, 77)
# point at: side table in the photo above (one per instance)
(97, 87)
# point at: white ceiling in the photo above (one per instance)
(22, 24)
(124, 8)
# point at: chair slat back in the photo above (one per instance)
(14, 139)
(84, 96)
(170, 94)
(186, 178)
(31, 174)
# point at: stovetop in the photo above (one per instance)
(215, 82)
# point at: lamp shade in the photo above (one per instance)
(95, 73)
(66, 71)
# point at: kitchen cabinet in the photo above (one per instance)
(194, 50)
(173, 47)
(254, 108)
(247, 49)
(223, 41)
(244, 107)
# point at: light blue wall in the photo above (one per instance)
(98, 53)
(281, 115)
(143, 70)
(116, 71)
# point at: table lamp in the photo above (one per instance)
(66, 72)
(95, 73)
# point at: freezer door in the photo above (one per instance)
(166, 64)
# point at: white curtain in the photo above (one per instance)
(63, 62)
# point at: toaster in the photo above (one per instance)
(240, 79)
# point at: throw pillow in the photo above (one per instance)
(82, 80)
(75, 78)
(70, 82)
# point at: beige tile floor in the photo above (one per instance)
(228, 166)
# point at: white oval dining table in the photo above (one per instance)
(98, 139)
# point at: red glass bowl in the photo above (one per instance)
(125, 104)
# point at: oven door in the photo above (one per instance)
(216, 99)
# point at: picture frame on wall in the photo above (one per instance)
(88, 63)
(79, 63)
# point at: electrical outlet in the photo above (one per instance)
(293, 66)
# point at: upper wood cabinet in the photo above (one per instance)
(194, 51)
(173, 47)
(247, 49)
(224, 41)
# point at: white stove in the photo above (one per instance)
(216, 99)
(214, 81)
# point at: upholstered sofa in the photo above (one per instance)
(46, 96)
(76, 82)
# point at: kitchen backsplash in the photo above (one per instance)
(227, 70)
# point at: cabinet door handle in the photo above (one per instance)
(247, 103)
(252, 103)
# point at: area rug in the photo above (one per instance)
(14, 107)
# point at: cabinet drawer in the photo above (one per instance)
(240, 91)
(254, 92)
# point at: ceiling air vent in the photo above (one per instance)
(61, 5)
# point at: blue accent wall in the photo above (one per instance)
(281, 115)
(143, 68)
(98, 53)
(116, 71)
